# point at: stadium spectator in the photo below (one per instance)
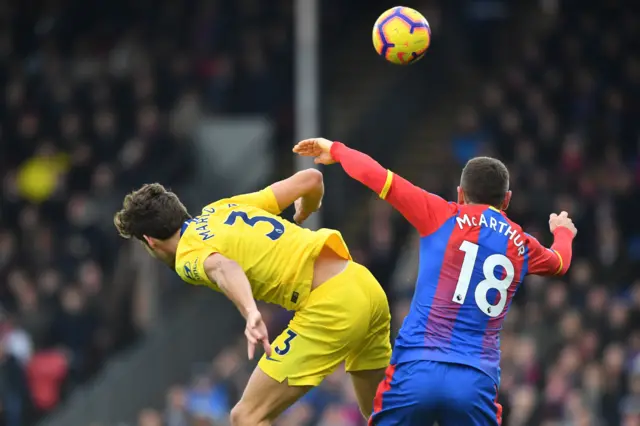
(176, 411)
(149, 417)
(46, 375)
(95, 104)
(13, 388)
(563, 117)
(88, 114)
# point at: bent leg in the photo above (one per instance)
(264, 399)
(365, 383)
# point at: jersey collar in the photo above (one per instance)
(185, 225)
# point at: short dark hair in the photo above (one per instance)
(485, 180)
(153, 211)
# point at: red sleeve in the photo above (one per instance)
(425, 211)
(553, 261)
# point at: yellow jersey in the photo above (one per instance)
(276, 255)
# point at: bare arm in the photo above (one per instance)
(305, 188)
(233, 282)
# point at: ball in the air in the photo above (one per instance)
(401, 35)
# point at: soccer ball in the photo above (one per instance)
(401, 35)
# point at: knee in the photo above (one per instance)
(243, 415)
(239, 415)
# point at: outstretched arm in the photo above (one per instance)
(425, 211)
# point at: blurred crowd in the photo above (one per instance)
(563, 116)
(98, 98)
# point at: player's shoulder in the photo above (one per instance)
(448, 208)
(190, 257)
(188, 245)
(192, 236)
(225, 204)
(221, 208)
(514, 225)
(217, 204)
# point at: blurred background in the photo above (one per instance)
(208, 96)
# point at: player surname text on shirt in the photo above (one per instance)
(495, 225)
(202, 223)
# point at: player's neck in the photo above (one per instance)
(480, 204)
(170, 248)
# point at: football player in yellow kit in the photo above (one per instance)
(241, 247)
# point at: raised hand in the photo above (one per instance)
(562, 219)
(319, 148)
(301, 214)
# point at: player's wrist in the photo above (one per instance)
(562, 231)
(310, 205)
(251, 310)
(334, 150)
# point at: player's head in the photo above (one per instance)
(154, 216)
(485, 180)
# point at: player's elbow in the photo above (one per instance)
(304, 183)
(217, 266)
(311, 179)
(311, 183)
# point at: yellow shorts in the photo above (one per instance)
(345, 319)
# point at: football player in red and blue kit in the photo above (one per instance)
(445, 366)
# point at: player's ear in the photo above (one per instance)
(460, 195)
(149, 242)
(507, 200)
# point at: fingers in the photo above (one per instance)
(251, 344)
(251, 349)
(266, 346)
(300, 215)
(254, 336)
(561, 220)
(256, 333)
(299, 218)
(305, 147)
(563, 215)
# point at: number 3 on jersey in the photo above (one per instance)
(489, 282)
(286, 344)
(278, 227)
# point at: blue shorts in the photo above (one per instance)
(421, 393)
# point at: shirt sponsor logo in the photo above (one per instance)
(191, 270)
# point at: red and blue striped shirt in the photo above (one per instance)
(472, 260)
